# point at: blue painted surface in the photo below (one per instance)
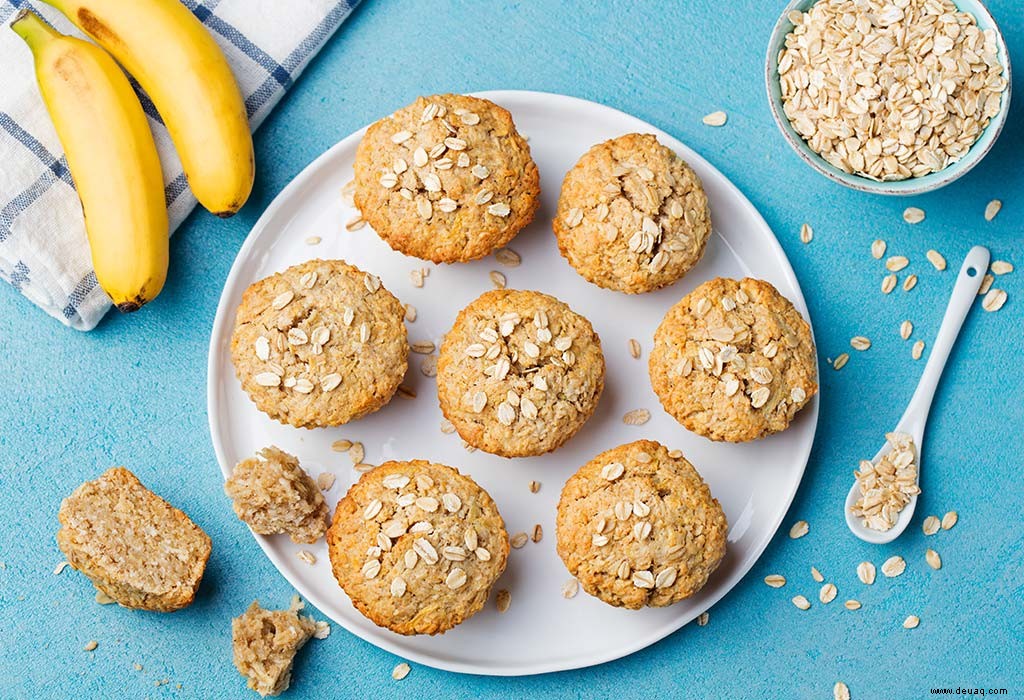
(133, 391)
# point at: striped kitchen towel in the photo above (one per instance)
(44, 253)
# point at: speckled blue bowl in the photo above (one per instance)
(911, 186)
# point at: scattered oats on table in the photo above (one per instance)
(917, 350)
(878, 249)
(895, 263)
(816, 575)
(930, 525)
(841, 361)
(570, 588)
(992, 209)
(894, 566)
(911, 622)
(775, 580)
(994, 300)
(502, 600)
(718, 118)
(799, 529)
(702, 619)
(827, 593)
(936, 259)
(949, 520)
(859, 342)
(840, 691)
(852, 604)
(913, 215)
(801, 602)
(888, 283)
(986, 284)
(909, 283)
(806, 233)
(866, 573)
(400, 671)
(1001, 267)
(906, 328)
(933, 559)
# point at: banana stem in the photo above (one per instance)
(31, 27)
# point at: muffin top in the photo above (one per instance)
(638, 526)
(519, 373)
(417, 546)
(447, 179)
(733, 360)
(632, 215)
(320, 344)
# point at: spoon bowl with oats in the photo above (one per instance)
(881, 502)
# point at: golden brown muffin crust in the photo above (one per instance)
(447, 179)
(632, 215)
(320, 344)
(417, 546)
(519, 373)
(639, 527)
(733, 360)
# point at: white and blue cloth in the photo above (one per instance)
(44, 252)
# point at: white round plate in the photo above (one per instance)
(542, 631)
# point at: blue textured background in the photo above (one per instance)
(133, 391)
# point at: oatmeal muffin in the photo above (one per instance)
(320, 344)
(632, 215)
(519, 373)
(417, 546)
(136, 547)
(272, 494)
(638, 526)
(733, 360)
(447, 179)
(264, 644)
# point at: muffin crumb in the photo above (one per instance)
(272, 494)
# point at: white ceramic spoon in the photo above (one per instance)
(965, 291)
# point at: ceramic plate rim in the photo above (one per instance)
(379, 638)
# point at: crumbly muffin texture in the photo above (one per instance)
(638, 526)
(632, 215)
(733, 360)
(135, 547)
(519, 373)
(272, 494)
(447, 179)
(264, 644)
(320, 344)
(417, 546)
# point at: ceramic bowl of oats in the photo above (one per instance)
(895, 97)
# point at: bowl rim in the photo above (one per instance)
(910, 186)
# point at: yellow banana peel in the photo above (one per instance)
(112, 158)
(179, 65)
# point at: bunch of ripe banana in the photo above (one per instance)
(107, 140)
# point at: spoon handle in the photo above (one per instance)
(965, 291)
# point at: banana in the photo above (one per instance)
(112, 158)
(179, 65)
